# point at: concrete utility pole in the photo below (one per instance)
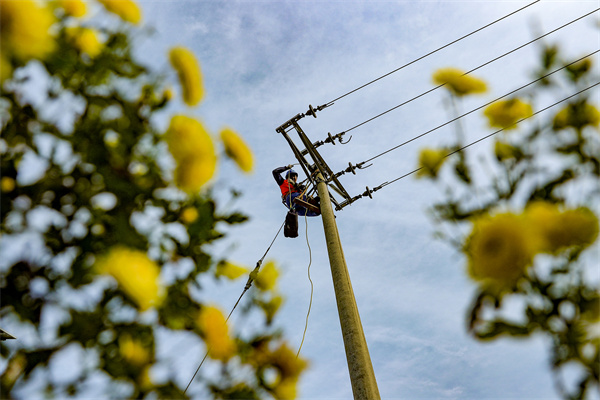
(362, 376)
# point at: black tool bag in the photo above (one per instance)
(290, 229)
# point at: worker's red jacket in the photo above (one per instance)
(285, 186)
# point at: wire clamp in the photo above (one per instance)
(362, 165)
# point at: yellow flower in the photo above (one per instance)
(213, 325)
(193, 150)
(135, 273)
(578, 227)
(85, 40)
(189, 215)
(185, 64)
(505, 151)
(193, 172)
(186, 136)
(266, 277)
(74, 8)
(127, 10)
(7, 184)
(25, 30)
(289, 368)
(133, 351)
(577, 116)
(230, 271)
(237, 149)
(499, 249)
(560, 229)
(457, 82)
(506, 113)
(430, 162)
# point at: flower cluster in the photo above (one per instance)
(286, 365)
(194, 152)
(185, 64)
(85, 40)
(127, 10)
(237, 149)
(505, 114)
(430, 162)
(458, 82)
(25, 31)
(501, 247)
(135, 273)
(212, 324)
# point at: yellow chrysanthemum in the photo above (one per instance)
(85, 40)
(430, 162)
(560, 229)
(74, 8)
(237, 150)
(7, 184)
(457, 82)
(189, 215)
(193, 172)
(190, 76)
(499, 249)
(25, 30)
(187, 136)
(194, 152)
(289, 368)
(505, 151)
(133, 351)
(135, 273)
(230, 271)
(266, 278)
(506, 113)
(578, 227)
(127, 10)
(213, 325)
(577, 116)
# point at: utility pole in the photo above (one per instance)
(362, 376)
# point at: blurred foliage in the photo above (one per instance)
(524, 214)
(102, 215)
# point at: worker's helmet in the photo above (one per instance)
(291, 172)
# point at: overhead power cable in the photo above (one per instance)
(248, 284)
(468, 72)
(359, 165)
(368, 192)
(430, 53)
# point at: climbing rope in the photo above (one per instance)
(251, 278)
(311, 288)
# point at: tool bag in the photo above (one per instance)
(290, 228)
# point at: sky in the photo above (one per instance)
(263, 62)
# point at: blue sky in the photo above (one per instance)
(264, 62)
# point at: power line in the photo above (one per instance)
(468, 72)
(248, 284)
(369, 191)
(430, 53)
(475, 109)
